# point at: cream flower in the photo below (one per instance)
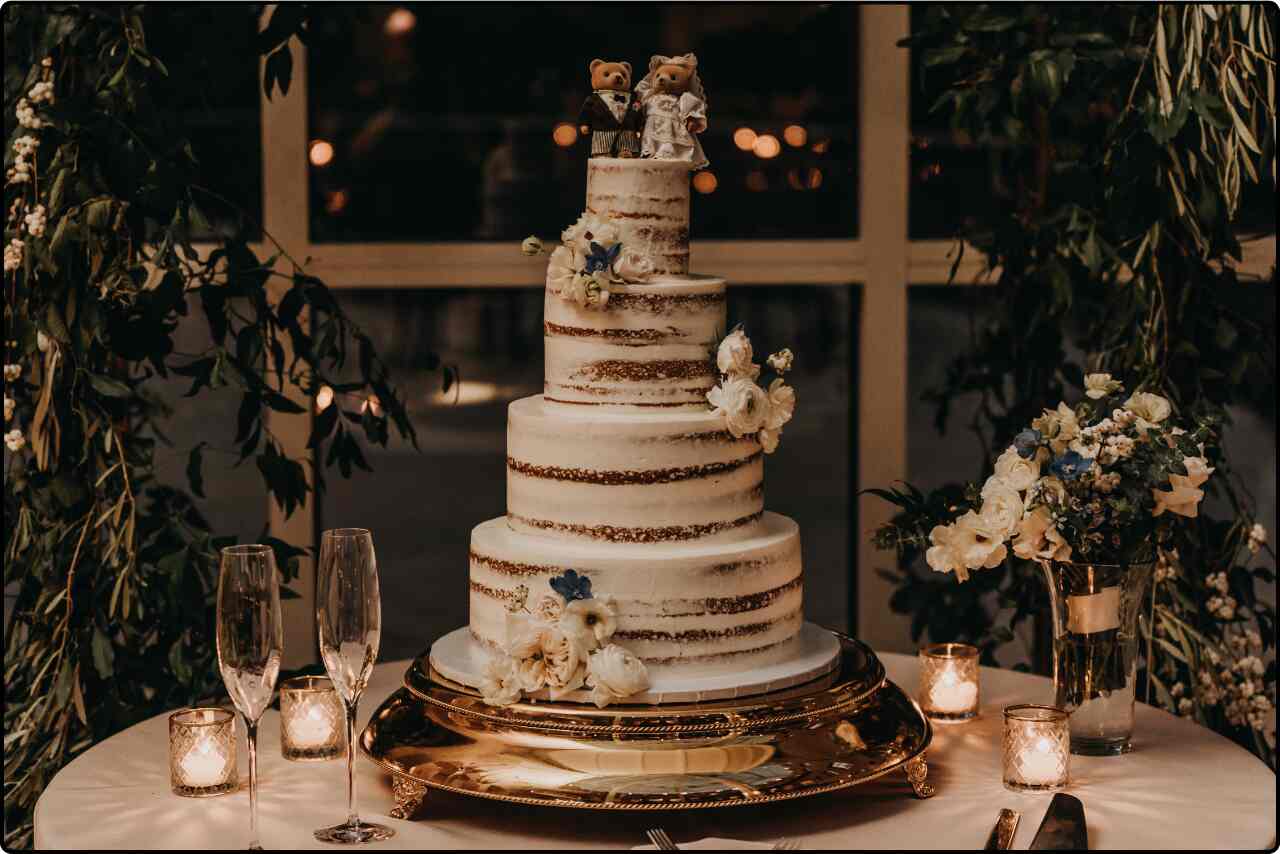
(13, 255)
(782, 404)
(1182, 498)
(978, 542)
(1150, 409)
(9, 404)
(590, 229)
(14, 440)
(498, 683)
(1059, 426)
(549, 608)
(769, 439)
(735, 355)
(42, 341)
(1198, 470)
(744, 405)
(1038, 539)
(1002, 507)
(590, 621)
(12, 372)
(782, 360)
(588, 290)
(1016, 471)
(531, 246)
(525, 650)
(563, 658)
(561, 268)
(942, 555)
(633, 266)
(1098, 386)
(613, 673)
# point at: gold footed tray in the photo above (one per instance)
(848, 727)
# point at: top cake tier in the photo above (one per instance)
(649, 199)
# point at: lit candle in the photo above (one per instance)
(311, 719)
(949, 681)
(1036, 748)
(311, 729)
(202, 752)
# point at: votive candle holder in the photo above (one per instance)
(949, 690)
(312, 726)
(1037, 748)
(202, 752)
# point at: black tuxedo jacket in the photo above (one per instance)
(596, 114)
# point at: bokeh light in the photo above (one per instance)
(815, 178)
(795, 135)
(766, 146)
(320, 152)
(564, 134)
(400, 22)
(756, 181)
(744, 138)
(821, 146)
(324, 398)
(705, 182)
(336, 201)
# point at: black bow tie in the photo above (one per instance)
(619, 98)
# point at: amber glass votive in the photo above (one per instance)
(949, 682)
(312, 726)
(1037, 748)
(202, 752)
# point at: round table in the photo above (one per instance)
(1182, 787)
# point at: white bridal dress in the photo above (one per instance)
(666, 135)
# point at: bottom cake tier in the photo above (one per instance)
(696, 608)
(811, 654)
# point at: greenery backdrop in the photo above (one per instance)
(1128, 137)
(115, 569)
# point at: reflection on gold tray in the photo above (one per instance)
(848, 727)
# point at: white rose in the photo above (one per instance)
(561, 269)
(590, 229)
(590, 621)
(1001, 507)
(978, 542)
(562, 657)
(531, 246)
(525, 649)
(1098, 386)
(14, 440)
(498, 683)
(782, 360)
(596, 291)
(1150, 409)
(1015, 471)
(734, 356)
(744, 405)
(633, 266)
(942, 555)
(613, 673)
(782, 404)
(549, 608)
(9, 404)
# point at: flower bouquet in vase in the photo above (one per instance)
(1091, 493)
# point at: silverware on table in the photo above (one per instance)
(786, 845)
(1064, 827)
(660, 840)
(1001, 838)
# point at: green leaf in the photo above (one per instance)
(108, 387)
(278, 72)
(103, 654)
(195, 474)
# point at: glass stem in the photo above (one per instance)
(251, 730)
(353, 820)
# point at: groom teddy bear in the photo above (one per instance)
(611, 114)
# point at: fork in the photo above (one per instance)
(660, 840)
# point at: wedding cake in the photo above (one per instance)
(636, 561)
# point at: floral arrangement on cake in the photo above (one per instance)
(589, 260)
(748, 408)
(1101, 481)
(560, 645)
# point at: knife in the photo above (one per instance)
(1063, 828)
(1001, 838)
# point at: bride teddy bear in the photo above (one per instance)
(675, 110)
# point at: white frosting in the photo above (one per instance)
(691, 603)
(649, 200)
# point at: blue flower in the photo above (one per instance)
(1027, 442)
(1070, 465)
(572, 586)
(600, 258)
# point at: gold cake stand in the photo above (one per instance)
(846, 728)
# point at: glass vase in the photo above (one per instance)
(1095, 611)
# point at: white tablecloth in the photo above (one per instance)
(1182, 787)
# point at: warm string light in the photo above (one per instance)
(325, 395)
(795, 135)
(705, 182)
(766, 146)
(744, 138)
(336, 201)
(399, 22)
(321, 153)
(564, 135)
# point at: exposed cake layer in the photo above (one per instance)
(638, 477)
(650, 347)
(714, 606)
(649, 199)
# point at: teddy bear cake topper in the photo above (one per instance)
(660, 120)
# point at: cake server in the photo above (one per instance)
(1063, 828)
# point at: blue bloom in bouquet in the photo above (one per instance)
(1027, 442)
(572, 586)
(599, 258)
(1070, 465)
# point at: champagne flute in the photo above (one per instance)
(349, 623)
(250, 642)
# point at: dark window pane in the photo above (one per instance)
(210, 52)
(423, 505)
(415, 137)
